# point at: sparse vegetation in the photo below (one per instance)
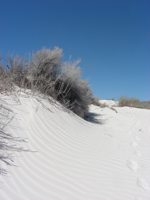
(47, 74)
(44, 73)
(8, 143)
(133, 102)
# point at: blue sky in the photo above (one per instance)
(112, 38)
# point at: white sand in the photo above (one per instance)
(109, 103)
(76, 159)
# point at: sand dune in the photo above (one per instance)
(109, 103)
(74, 159)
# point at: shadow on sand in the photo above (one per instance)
(93, 118)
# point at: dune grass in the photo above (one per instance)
(133, 102)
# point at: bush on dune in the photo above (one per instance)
(13, 72)
(126, 101)
(133, 102)
(47, 74)
(72, 90)
(44, 71)
(145, 104)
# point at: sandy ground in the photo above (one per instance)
(75, 159)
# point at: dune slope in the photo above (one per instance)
(74, 159)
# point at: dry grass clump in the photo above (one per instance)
(47, 74)
(133, 102)
(103, 105)
(8, 143)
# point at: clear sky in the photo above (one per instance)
(112, 38)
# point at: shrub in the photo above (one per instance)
(133, 102)
(145, 104)
(72, 91)
(47, 74)
(13, 72)
(130, 102)
(44, 70)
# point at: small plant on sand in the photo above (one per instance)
(103, 105)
